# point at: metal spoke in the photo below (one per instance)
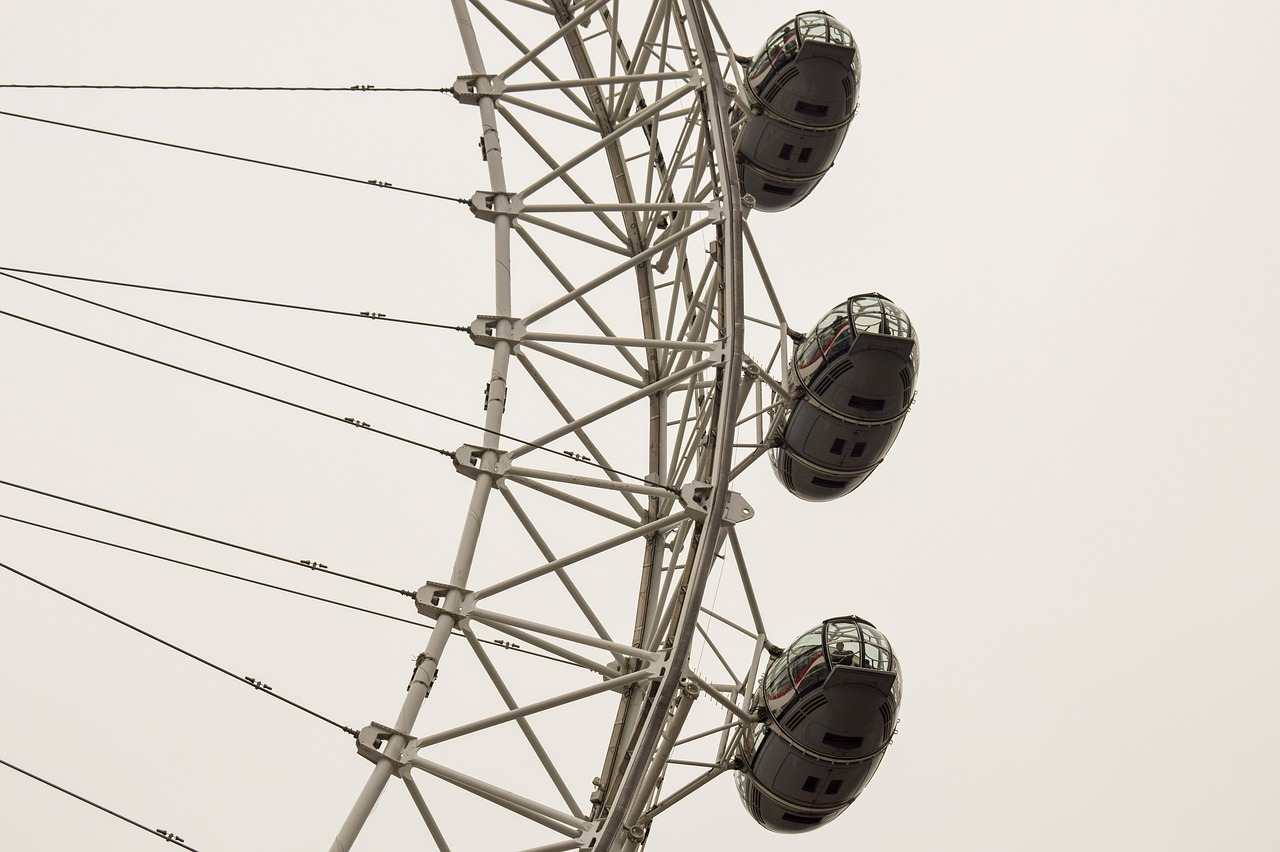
(483, 656)
(619, 130)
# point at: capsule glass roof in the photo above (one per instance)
(786, 40)
(819, 26)
(869, 312)
(854, 642)
(804, 666)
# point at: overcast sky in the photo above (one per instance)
(1072, 546)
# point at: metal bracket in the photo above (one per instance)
(468, 461)
(488, 205)
(371, 739)
(484, 331)
(469, 89)
(694, 495)
(587, 840)
(431, 597)
(655, 669)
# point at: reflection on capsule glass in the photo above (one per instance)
(802, 88)
(853, 380)
(828, 706)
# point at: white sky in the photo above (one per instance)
(1071, 545)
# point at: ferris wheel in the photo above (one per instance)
(598, 650)
(639, 366)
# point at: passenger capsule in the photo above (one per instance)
(853, 379)
(828, 708)
(803, 90)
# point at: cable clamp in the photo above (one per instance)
(488, 205)
(470, 89)
(694, 496)
(468, 460)
(436, 599)
(488, 329)
(417, 667)
(169, 836)
(256, 684)
(372, 738)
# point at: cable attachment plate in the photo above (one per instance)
(371, 740)
(736, 509)
(432, 601)
(471, 88)
(489, 205)
(468, 460)
(485, 331)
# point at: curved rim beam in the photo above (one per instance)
(715, 105)
(646, 727)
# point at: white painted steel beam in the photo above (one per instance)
(553, 819)
(585, 553)
(526, 728)
(605, 410)
(498, 619)
(529, 710)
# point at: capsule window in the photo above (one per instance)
(779, 190)
(841, 741)
(823, 482)
(785, 153)
(802, 819)
(869, 404)
(811, 109)
(804, 155)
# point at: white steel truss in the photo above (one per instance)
(618, 335)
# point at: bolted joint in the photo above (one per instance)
(469, 460)
(469, 89)
(488, 205)
(694, 496)
(487, 329)
(418, 675)
(597, 790)
(432, 601)
(372, 738)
